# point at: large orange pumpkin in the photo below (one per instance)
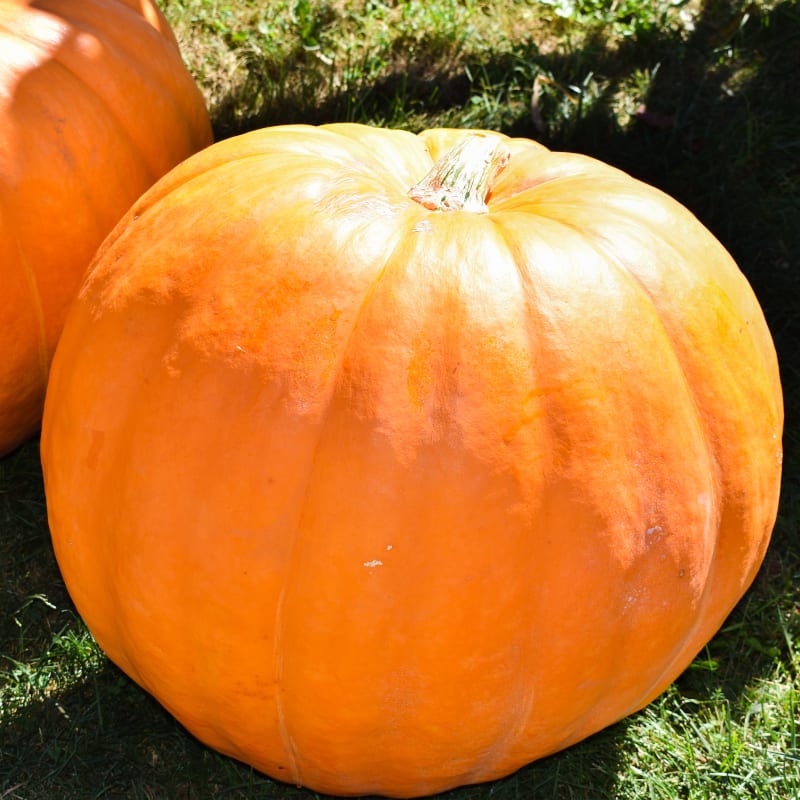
(386, 498)
(95, 105)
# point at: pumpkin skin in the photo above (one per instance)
(95, 105)
(383, 499)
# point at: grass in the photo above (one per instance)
(697, 98)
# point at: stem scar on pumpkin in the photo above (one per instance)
(462, 178)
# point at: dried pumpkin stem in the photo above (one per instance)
(462, 178)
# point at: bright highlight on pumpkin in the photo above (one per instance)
(385, 501)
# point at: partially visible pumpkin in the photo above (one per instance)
(383, 498)
(95, 105)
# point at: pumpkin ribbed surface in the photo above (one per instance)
(95, 105)
(384, 499)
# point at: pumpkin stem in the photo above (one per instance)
(462, 178)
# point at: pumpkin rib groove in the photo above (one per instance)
(286, 738)
(536, 343)
(86, 193)
(119, 126)
(515, 731)
(107, 105)
(712, 484)
(672, 664)
(600, 246)
(294, 766)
